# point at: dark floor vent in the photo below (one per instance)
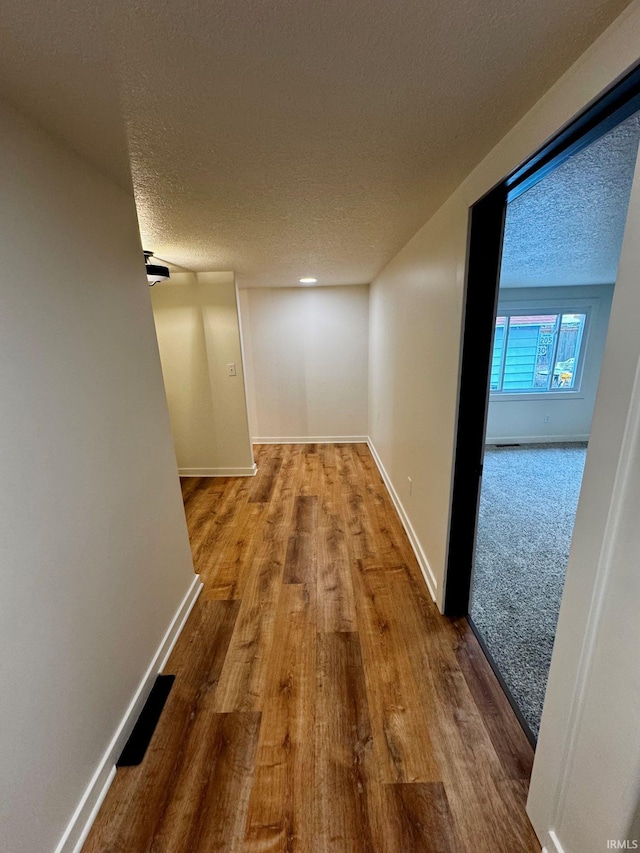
(140, 737)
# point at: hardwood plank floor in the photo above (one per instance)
(321, 702)
(283, 787)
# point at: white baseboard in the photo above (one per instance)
(82, 820)
(311, 439)
(219, 472)
(421, 557)
(537, 439)
(557, 847)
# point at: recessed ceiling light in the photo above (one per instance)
(308, 280)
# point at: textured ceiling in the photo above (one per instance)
(568, 229)
(282, 138)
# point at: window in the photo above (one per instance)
(537, 353)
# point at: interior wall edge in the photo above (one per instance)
(243, 358)
(421, 557)
(87, 809)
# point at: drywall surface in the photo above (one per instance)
(307, 361)
(196, 319)
(416, 305)
(94, 548)
(560, 416)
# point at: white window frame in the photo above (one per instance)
(525, 308)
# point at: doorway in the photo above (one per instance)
(543, 253)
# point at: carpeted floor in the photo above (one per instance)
(527, 510)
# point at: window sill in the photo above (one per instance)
(515, 396)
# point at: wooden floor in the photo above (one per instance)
(321, 702)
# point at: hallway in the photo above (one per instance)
(321, 702)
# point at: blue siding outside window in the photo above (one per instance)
(522, 352)
(496, 361)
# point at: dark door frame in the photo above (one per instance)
(486, 232)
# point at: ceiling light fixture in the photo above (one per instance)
(155, 272)
(308, 280)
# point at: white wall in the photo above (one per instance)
(196, 319)
(514, 419)
(416, 305)
(307, 352)
(94, 548)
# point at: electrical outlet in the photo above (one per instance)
(546, 419)
(410, 484)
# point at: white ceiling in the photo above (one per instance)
(568, 229)
(283, 138)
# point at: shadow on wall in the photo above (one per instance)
(196, 318)
(633, 832)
